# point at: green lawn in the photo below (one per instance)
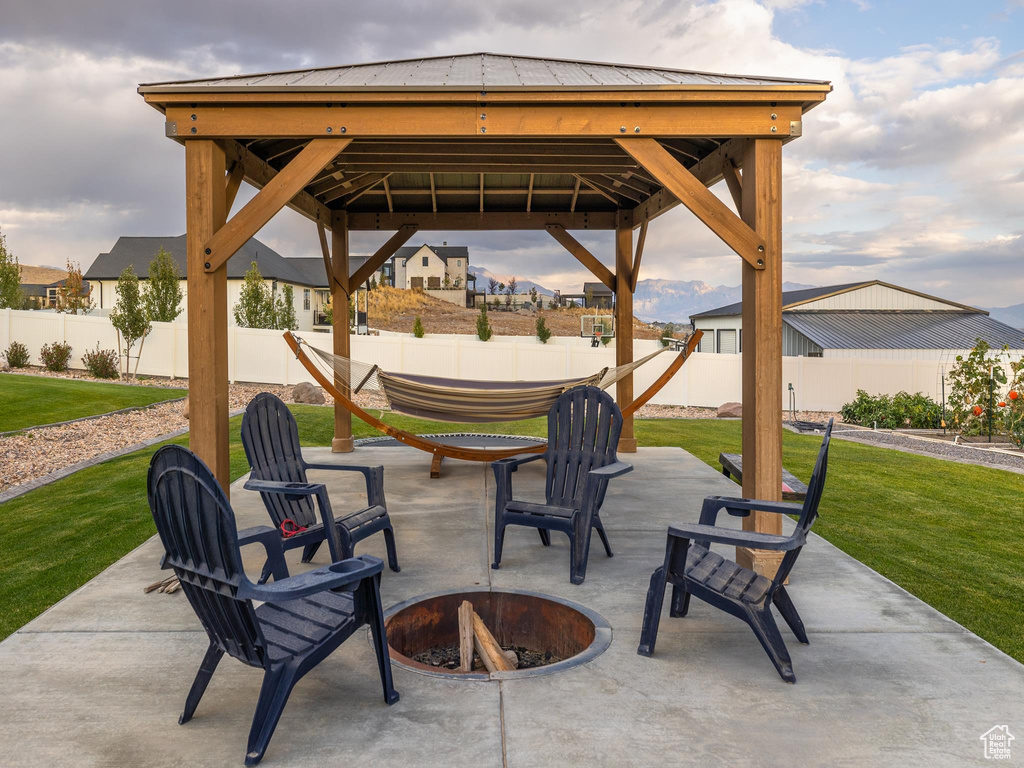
(949, 533)
(29, 401)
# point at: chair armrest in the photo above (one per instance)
(374, 479)
(745, 506)
(343, 575)
(608, 471)
(294, 490)
(512, 464)
(753, 539)
(270, 538)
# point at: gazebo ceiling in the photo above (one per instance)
(484, 132)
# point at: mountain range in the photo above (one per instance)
(1012, 315)
(483, 275)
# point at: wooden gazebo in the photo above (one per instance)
(489, 142)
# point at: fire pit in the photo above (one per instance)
(546, 634)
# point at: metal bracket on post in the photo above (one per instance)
(170, 129)
(796, 128)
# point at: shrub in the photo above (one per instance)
(16, 355)
(55, 356)
(902, 410)
(417, 328)
(483, 325)
(1012, 405)
(975, 383)
(543, 332)
(102, 363)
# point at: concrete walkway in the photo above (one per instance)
(100, 679)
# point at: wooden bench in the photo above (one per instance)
(792, 487)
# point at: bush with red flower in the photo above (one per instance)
(1012, 406)
(977, 383)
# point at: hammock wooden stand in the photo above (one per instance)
(440, 451)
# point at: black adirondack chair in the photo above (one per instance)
(693, 569)
(302, 618)
(583, 432)
(270, 437)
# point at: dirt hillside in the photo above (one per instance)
(396, 310)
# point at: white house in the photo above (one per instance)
(868, 319)
(440, 270)
(307, 276)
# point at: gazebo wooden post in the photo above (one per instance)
(624, 322)
(762, 347)
(205, 213)
(342, 442)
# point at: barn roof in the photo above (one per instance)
(476, 72)
(901, 329)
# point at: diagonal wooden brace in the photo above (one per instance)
(385, 252)
(672, 175)
(585, 257)
(288, 182)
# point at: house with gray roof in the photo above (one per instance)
(866, 319)
(306, 275)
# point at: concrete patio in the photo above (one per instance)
(100, 678)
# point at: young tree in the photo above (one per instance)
(71, 294)
(492, 285)
(163, 294)
(513, 285)
(255, 307)
(543, 332)
(129, 317)
(373, 282)
(533, 294)
(11, 295)
(588, 297)
(483, 325)
(417, 328)
(284, 310)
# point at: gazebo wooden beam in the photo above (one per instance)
(325, 250)
(385, 252)
(205, 212)
(583, 256)
(473, 220)
(624, 325)
(762, 348)
(564, 120)
(288, 182)
(699, 199)
(734, 180)
(232, 182)
(341, 340)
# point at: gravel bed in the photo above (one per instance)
(935, 448)
(651, 411)
(36, 453)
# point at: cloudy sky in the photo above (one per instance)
(911, 172)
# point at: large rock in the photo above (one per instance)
(308, 393)
(730, 411)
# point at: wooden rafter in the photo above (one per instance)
(529, 194)
(481, 193)
(387, 194)
(433, 193)
(597, 189)
(363, 183)
(473, 220)
(385, 252)
(367, 189)
(698, 198)
(607, 186)
(575, 194)
(585, 257)
(288, 182)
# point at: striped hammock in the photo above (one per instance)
(460, 400)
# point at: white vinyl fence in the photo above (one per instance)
(261, 356)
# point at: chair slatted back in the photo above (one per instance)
(583, 433)
(809, 511)
(270, 437)
(196, 524)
